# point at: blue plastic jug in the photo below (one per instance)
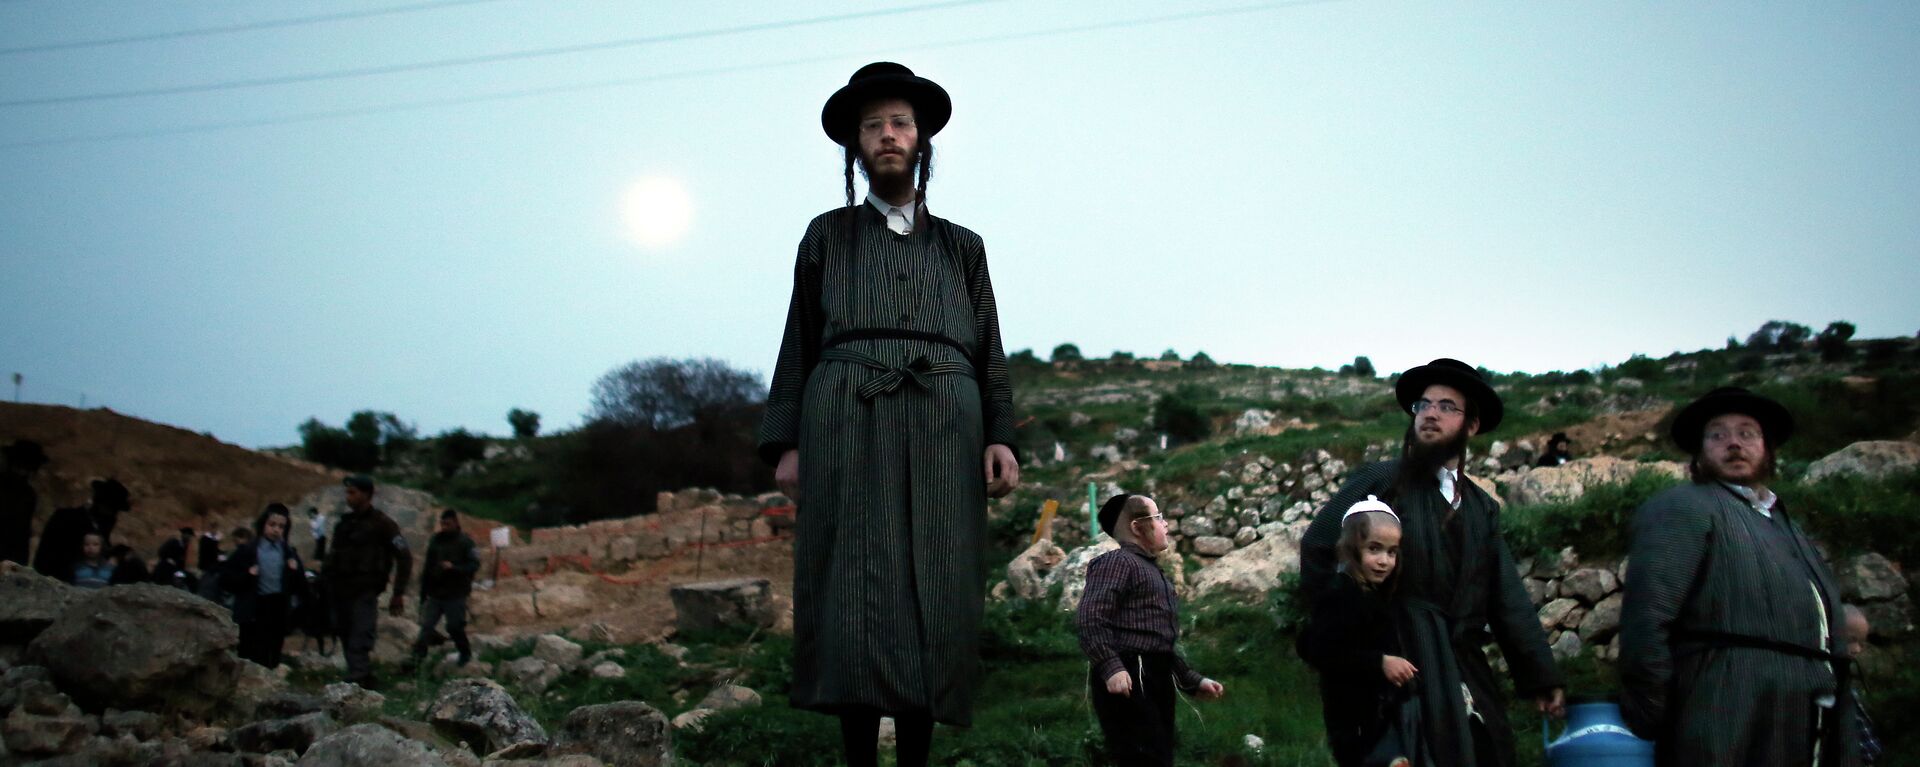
(1596, 736)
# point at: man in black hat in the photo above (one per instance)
(1731, 633)
(446, 580)
(1557, 451)
(1457, 579)
(890, 422)
(68, 528)
(367, 545)
(18, 500)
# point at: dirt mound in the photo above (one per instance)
(1622, 435)
(177, 478)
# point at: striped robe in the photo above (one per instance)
(890, 541)
(1702, 560)
(1454, 597)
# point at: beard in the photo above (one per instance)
(1758, 469)
(1429, 457)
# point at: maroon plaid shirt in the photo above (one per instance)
(1129, 608)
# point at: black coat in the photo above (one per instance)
(17, 504)
(1458, 592)
(60, 540)
(437, 582)
(245, 586)
(1351, 633)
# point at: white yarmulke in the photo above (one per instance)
(1370, 504)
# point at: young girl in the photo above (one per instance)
(93, 570)
(1353, 642)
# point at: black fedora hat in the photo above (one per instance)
(110, 494)
(1459, 375)
(1691, 424)
(883, 80)
(25, 453)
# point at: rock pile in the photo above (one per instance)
(1579, 605)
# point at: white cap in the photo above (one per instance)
(1370, 504)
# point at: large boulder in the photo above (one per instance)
(1071, 575)
(1603, 620)
(1567, 482)
(1871, 577)
(27, 733)
(1590, 584)
(558, 650)
(1872, 460)
(733, 603)
(140, 645)
(1253, 571)
(29, 603)
(1027, 573)
(727, 697)
(369, 745)
(1212, 545)
(624, 734)
(484, 715)
(531, 674)
(349, 702)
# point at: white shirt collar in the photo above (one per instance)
(900, 218)
(1448, 478)
(1759, 500)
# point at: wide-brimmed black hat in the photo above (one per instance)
(25, 454)
(1459, 375)
(361, 482)
(884, 80)
(1691, 424)
(110, 494)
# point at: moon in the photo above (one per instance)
(657, 212)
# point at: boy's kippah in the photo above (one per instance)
(1370, 504)
(1110, 511)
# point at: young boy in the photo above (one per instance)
(1128, 622)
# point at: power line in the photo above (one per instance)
(670, 76)
(230, 29)
(491, 58)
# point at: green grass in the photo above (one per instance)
(1596, 523)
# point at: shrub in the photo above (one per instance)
(525, 423)
(1596, 523)
(1177, 414)
(1832, 342)
(1066, 353)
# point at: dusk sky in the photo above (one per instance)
(233, 216)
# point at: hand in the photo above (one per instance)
(254, 570)
(1553, 703)
(1003, 472)
(1210, 690)
(292, 565)
(445, 565)
(1397, 669)
(1120, 684)
(397, 604)
(787, 474)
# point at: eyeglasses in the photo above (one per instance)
(1743, 436)
(873, 125)
(1446, 407)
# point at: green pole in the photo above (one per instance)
(1093, 512)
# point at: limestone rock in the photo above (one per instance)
(607, 669)
(1891, 620)
(1253, 420)
(1567, 646)
(142, 644)
(623, 734)
(556, 650)
(1253, 571)
(296, 734)
(1871, 577)
(139, 725)
(46, 735)
(1071, 575)
(1554, 615)
(1568, 481)
(1872, 460)
(734, 603)
(1603, 620)
(1212, 545)
(531, 674)
(1245, 537)
(1536, 591)
(349, 702)
(727, 697)
(1554, 568)
(29, 603)
(1590, 584)
(1027, 573)
(692, 719)
(369, 745)
(484, 715)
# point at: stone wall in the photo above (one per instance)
(685, 517)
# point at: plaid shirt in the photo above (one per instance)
(1129, 608)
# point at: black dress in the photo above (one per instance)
(1352, 631)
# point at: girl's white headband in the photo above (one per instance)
(1370, 504)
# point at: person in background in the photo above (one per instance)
(170, 568)
(92, 570)
(1559, 451)
(61, 539)
(128, 567)
(18, 500)
(367, 546)
(264, 576)
(446, 580)
(317, 524)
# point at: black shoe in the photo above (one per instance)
(465, 658)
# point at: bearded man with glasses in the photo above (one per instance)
(1730, 634)
(1458, 590)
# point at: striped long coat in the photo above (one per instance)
(1458, 591)
(890, 542)
(1703, 560)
